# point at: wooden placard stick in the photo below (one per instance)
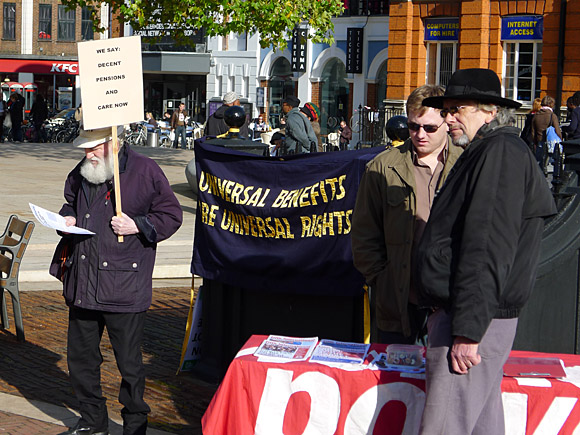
(116, 176)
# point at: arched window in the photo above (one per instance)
(281, 85)
(334, 96)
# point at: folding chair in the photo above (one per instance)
(13, 243)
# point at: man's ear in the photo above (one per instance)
(490, 116)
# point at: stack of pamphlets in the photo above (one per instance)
(340, 352)
(286, 348)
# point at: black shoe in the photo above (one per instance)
(78, 430)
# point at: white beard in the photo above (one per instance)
(461, 141)
(100, 173)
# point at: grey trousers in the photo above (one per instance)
(471, 403)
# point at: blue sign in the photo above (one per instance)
(522, 27)
(442, 29)
(278, 224)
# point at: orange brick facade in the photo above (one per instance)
(480, 44)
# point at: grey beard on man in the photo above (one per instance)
(98, 170)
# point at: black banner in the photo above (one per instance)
(299, 38)
(354, 50)
(278, 224)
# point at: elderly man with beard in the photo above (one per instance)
(475, 265)
(108, 284)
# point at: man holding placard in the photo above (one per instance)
(108, 283)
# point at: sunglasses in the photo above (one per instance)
(451, 110)
(429, 128)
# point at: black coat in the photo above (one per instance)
(216, 125)
(479, 252)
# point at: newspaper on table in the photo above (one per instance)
(286, 348)
(55, 221)
(340, 352)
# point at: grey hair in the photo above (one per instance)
(505, 115)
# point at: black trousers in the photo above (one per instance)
(84, 362)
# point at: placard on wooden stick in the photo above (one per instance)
(111, 77)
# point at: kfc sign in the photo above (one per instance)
(66, 68)
(37, 66)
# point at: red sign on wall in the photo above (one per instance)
(39, 66)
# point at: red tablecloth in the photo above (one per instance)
(311, 398)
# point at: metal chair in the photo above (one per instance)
(13, 243)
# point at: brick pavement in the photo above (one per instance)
(37, 368)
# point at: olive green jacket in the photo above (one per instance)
(383, 229)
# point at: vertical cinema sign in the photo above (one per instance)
(299, 50)
(354, 50)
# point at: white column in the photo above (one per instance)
(105, 21)
(304, 87)
(27, 28)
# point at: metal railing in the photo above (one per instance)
(370, 124)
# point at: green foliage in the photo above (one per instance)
(273, 19)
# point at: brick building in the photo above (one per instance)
(530, 44)
(38, 49)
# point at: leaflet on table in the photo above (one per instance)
(53, 220)
(340, 352)
(286, 348)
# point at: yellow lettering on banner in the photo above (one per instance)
(238, 189)
(280, 199)
(323, 191)
(280, 230)
(208, 214)
(325, 224)
(342, 192)
(255, 198)
(303, 196)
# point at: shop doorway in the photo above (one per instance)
(281, 86)
(334, 96)
(164, 92)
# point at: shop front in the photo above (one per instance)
(56, 80)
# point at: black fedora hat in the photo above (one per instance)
(473, 84)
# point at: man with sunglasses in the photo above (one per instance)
(475, 265)
(392, 207)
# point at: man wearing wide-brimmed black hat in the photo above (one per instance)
(476, 263)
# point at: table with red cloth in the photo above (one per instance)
(312, 398)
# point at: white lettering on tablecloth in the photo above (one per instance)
(324, 402)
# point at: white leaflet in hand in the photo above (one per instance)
(55, 221)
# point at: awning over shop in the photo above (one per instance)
(39, 66)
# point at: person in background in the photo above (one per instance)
(345, 135)
(107, 284)
(300, 137)
(216, 126)
(39, 112)
(261, 125)
(475, 264)
(151, 122)
(543, 119)
(526, 134)
(179, 126)
(278, 143)
(392, 207)
(2, 117)
(16, 116)
(573, 129)
(313, 114)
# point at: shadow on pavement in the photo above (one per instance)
(37, 369)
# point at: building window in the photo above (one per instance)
(45, 21)
(66, 24)
(9, 21)
(441, 62)
(522, 70)
(87, 32)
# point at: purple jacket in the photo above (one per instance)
(100, 273)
